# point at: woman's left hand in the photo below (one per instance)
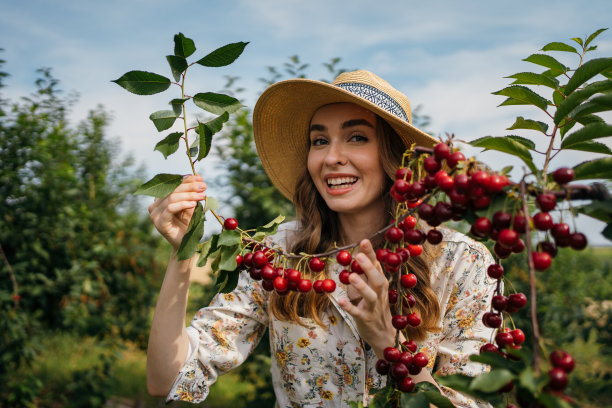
(369, 304)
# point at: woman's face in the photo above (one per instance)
(344, 161)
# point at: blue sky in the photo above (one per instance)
(445, 55)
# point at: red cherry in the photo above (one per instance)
(496, 183)
(410, 345)
(381, 254)
(239, 260)
(481, 227)
(392, 259)
(541, 260)
(248, 259)
(414, 237)
(480, 178)
(316, 286)
(457, 197)
(409, 280)
(443, 211)
(454, 159)
(431, 165)
(406, 384)
(501, 251)
(520, 223)
(344, 258)
(293, 275)
(462, 182)
(517, 300)
(268, 285)
(255, 273)
(393, 296)
(399, 371)
(543, 221)
(406, 358)
(420, 360)
(546, 201)
(508, 238)
(316, 264)
(394, 235)
(489, 348)
(403, 173)
(518, 336)
(382, 367)
(578, 241)
(304, 285)
(481, 202)
(434, 236)
(414, 369)
(492, 320)
(417, 189)
(518, 247)
(549, 247)
(409, 300)
(562, 360)
(230, 224)
(563, 175)
(560, 230)
(408, 223)
(415, 250)
(328, 285)
(391, 354)
(344, 277)
(501, 220)
(557, 379)
(499, 302)
(281, 284)
(504, 339)
(414, 319)
(441, 151)
(268, 273)
(399, 321)
(426, 211)
(355, 267)
(495, 271)
(401, 186)
(259, 259)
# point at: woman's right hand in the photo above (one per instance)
(171, 215)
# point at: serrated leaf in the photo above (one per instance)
(437, 399)
(576, 98)
(163, 119)
(600, 210)
(270, 228)
(216, 103)
(215, 125)
(206, 249)
(224, 55)
(587, 71)
(211, 204)
(507, 145)
(600, 103)
(548, 62)
(169, 144)
(160, 186)
(194, 233)
(530, 78)
(183, 46)
(524, 95)
(559, 46)
(522, 123)
(592, 36)
(527, 380)
(512, 101)
(228, 258)
(492, 381)
(590, 146)
(229, 238)
(177, 106)
(411, 400)
(143, 82)
(594, 169)
(589, 132)
(205, 138)
(178, 65)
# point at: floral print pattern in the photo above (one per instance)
(314, 366)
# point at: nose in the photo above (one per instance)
(336, 154)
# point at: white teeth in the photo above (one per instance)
(339, 182)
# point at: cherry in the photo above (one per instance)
(546, 201)
(563, 175)
(414, 319)
(401, 186)
(462, 182)
(454, 159)
(518, 336)
(426, 211)
(255, 273)
(431, 165)
(316, 286)
(457, 197)
(394, 235)
(497, 183)
(563, 360)
(480, 178)
(441, 151)
(259, 259)
(481, 202)
(499, 302)
(410, 345)
(393, 296)
(344, 277)
(420, 360)
(239, 260)
(517, 300)
(434, 236)
(495, 271)
(304, 285)
(344, 258)
(328, 285)
(494, 234)
(391, 354)
(392, 259)
(541, 260)
(446, 184)
(381, 254)
(508, 238)
(501, 251)
(247, 260)
(399, 321)
(501, 220)
(281, 284)
(543, 221)
(407, 384)
(268, 285)
(518, 247)
(489, 348)
(557, 379)
(415, 250)
(230, 224)
(268, 273)
(429, 182)
(443, 211)
(403, 173)
(316, 264)
(520, 223)
(409, 280)
(504, 339)
(403, 253)
(492, 320)
(549, 247)
(481, 227)
(414, 237)
(355, 267)
(399, 371)
(409, 300)
(406, 358)
(578, 241)
(560, 230)
(293, 275)
(382, 367)
(414, 369)
(408, 223)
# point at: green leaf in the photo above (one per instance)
(183, 46)
(592, 36)
(354, 404)
(414, 400)
(170, 144)
(558, 98)
(177, 105)
(178, 65)
(143, 82)
(587, 71)
(163, 119)
(578, 40)
(576, 98)
(494, 360)
(522, 123)
(205, 138)
(229, 238)
(551, 401)
(224, 55)
(228, 258)
(381, 397)
(589, 132)
(194, 233)
(607, 232)
(231, 282)
(600, 103)
(206, 249)
(437, 399)
(492, 381)
(507, 145)
(530, 78)
(594, 169)
(270, 228)
(559, 46)
(211, 204)
(591, 146)
(524, 95)
(527, 380)
(215, 125)
(458, 382)
(600, 210)
(195, 146)
(548, 62)
(216, 103)
(160, 186)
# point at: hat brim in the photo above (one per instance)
(281, 121)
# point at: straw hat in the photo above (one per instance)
(281, 119)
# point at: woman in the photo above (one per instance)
(333, 149)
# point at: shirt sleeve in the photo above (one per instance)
(469, 297)
(221, 337)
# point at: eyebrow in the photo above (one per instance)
(347, 124)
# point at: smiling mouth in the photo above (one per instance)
(337, 183)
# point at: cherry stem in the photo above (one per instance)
(532, 284)
(13, 280)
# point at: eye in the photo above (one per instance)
(318, 141)
(358, 138)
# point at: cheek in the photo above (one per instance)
(312, 165)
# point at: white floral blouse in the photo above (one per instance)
(328, 367)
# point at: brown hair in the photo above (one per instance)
(312, 237)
